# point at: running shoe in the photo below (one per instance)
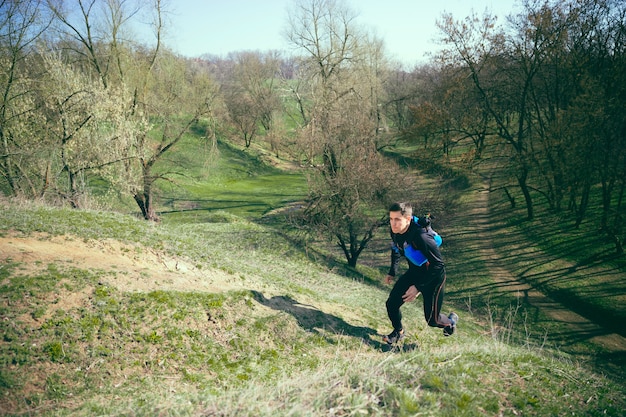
(394, 337)
(449, 330)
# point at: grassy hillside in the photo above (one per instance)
(210, 313)
(104, 314)
(241, 181)
(579, 267)
(202, 181)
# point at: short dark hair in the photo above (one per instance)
(403, 207)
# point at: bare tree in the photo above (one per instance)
(551, 86)
(251, 93)
(242, 114)
(349, 190)
(503, 71)
(178, 95)
(403, 89)
(352, 182)
(597, 41)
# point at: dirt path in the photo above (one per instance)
(127, 267)
(569, 328)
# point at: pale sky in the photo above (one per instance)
(407, 27)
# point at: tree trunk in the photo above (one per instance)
(509, 197)
(521, 179)
(584, 203)
(6, 164)
(144, 199)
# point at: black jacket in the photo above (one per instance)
(423, 239)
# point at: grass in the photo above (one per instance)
(239, 181)
(291, 331)
(204, 181)
(576, 266)
(295, 338)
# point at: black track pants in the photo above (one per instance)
(432, 294)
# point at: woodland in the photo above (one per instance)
(534, 102)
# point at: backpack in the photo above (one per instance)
(415, 256)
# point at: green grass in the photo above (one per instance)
(203, 181)
(293, 331)
(576, 266)
(295, 339)
(238, 181)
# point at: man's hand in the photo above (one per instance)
(389, 279)
(411, 294)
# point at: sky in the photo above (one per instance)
(407, 27)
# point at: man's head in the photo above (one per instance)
(400, 215)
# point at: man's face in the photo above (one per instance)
(398, 222)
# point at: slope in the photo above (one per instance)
(547, 318)
(104, 314)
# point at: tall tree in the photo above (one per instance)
(85, 126)
(553, 86)
(22, 23)
(251, 92)
(177, 96)
(599, 33)
(162, 100)
(352, 180)
(504, 67)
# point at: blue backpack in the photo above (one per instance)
(415, 256)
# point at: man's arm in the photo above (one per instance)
(395, 261)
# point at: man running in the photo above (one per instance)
(409, 234)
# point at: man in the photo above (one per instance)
(409, 234)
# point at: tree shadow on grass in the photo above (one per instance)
(612, 363)
(313, 320)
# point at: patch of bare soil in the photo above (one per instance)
(124, 266)
(129, 267)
